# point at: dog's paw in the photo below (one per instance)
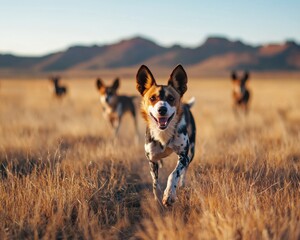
(168, 200)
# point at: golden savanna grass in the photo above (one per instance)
(63, 177)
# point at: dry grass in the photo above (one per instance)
(62, 177)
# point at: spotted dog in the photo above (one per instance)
(170, 127)
(59, 90)
(115, 106)
(241, 94)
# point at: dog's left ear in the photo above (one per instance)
(178, 80)
(116, 84)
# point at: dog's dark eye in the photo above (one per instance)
(170, 98)
(152, 99)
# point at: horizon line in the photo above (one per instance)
(149, 38)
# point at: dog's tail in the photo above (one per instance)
(191, 102)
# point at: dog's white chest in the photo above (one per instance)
(164, 143)
(156, 151)
(107, 108)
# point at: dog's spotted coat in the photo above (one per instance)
(170, 127)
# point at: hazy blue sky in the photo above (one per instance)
(33, 27)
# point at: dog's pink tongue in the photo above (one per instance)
(163, 121)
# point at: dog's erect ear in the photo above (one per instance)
(233, 76)
(99, 83)
(144, 80)
(246, 76)
(56, 79)
(116, 84)
(178, 80)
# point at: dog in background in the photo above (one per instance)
(115, 106)
(241, 94)
(170, 127)
(59, 90)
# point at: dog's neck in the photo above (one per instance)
(112, 105)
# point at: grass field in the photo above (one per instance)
(64, 177)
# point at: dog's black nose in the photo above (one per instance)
(162, 110)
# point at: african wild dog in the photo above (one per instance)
(170, 127)
(241, 94)
(115, 106)
(59, 90)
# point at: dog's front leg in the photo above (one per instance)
(117, 126)
(118, 119)
(183, 177)
(173, 179)
(154, 174)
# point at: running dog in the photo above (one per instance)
(241, 94)
(114, 105)
(170, 127)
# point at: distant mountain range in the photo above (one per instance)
(215, 54)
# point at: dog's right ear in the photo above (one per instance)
(99, 83)
(246, 76)
(116, 84)
(178, 80)
(144, 80)
(233, 76)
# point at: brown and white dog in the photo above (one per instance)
(241, 93)
(115, 106)
(170, 127)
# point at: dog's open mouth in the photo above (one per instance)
(162, 122)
